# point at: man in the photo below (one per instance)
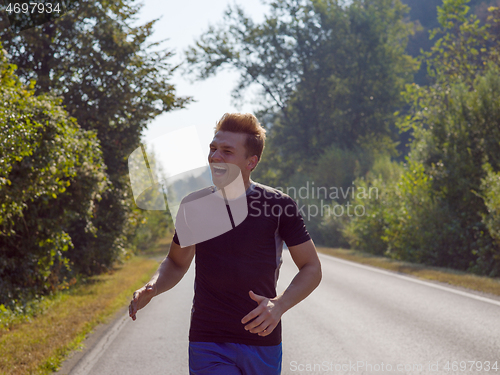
(236, 314)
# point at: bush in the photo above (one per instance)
(51, 173)
(419, 227)
(490, 192)
(367, 232)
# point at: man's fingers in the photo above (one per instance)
(268, 330)
(256, 297)
(133, 304)
(255, 312)
(254, 324)
(141, 298)
(131, 309)
(252, 314)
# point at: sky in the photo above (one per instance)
(182, 22)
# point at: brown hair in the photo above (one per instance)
(248, 124)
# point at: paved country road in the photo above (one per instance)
(360, 320)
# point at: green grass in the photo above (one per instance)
(38, 344)
(444, 275)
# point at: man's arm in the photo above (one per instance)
(170, 272)
(268, 314)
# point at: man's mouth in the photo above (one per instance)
(219, 171)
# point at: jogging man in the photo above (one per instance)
(236, 315)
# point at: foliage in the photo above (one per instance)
(442, 211)
(51, 173)
(490, 187)
(425, 17)
(113, 82)
(459, 54)
(338, 167)
(418, 225)
(152, 224)
(407, 222)
(455, 123)
(330, 74)
(434, 213)
(366, 232)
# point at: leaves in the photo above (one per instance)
(113, 81)
(51, 171)
(329, 73)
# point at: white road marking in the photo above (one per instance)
(84, 366)
(432, 285)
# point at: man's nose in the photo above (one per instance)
(215, 157)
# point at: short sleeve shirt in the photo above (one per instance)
(248, 257)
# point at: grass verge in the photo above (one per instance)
(444, 275)
(40, 345)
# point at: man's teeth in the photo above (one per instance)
(219, 169)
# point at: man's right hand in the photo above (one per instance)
(141, 298)
(170, 272)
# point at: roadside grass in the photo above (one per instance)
(159, 250)
(444, 275)
(40, 344)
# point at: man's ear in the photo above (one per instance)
(252, 162)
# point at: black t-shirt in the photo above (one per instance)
(247, 257)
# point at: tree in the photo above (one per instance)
(330, 74)
(51, 173)
(424, 14)
(113, 82)
(455, 124)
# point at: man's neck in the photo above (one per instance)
(247, 183)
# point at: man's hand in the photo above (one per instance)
(267, 315)
(140, 299)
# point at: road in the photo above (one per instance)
(360, 320)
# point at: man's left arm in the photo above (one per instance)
(269, 311)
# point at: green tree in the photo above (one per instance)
(329, 73)
(376, 191)
(113, 82)
(51, 173)
(460, 134)
(424, 14)
(439, 214)
(490, 188)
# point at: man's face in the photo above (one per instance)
(227, 157)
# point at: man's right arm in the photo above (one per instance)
(170, 272)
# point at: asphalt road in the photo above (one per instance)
(360, 320)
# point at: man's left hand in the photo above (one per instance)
(265, 317)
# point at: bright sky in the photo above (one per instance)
(182, 22)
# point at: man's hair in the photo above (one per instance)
(248, 124)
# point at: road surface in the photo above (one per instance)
(360, 320)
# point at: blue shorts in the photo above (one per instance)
(210, 358)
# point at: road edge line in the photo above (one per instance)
(418, 281)
(86, 363)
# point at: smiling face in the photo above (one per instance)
(228, 157)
